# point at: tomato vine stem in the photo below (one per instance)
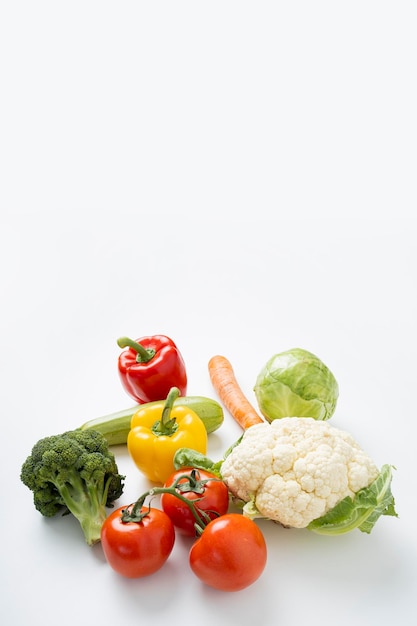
(135, 512)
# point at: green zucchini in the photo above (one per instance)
(116, 426)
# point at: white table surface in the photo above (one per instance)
(242, 179)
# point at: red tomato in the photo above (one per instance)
(214, 499)
(136, 549)
(230, 554)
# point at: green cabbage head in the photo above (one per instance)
(296, 383)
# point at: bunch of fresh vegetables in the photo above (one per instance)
(289, 466)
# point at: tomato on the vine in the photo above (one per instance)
(137, 543)
(230, 554)
(207, 492)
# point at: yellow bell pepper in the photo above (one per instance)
(158, 431)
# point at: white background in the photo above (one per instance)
(241, 177)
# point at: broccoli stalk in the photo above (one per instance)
(74, 472)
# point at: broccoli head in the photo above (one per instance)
(76, 473)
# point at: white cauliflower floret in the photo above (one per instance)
(296, 469)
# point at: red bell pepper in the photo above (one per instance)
(150, 367)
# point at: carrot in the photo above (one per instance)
(227, 388)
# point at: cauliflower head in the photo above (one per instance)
(296, 469)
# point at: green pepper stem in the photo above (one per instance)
(167, 425)
(143, 354)
(173, 394)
